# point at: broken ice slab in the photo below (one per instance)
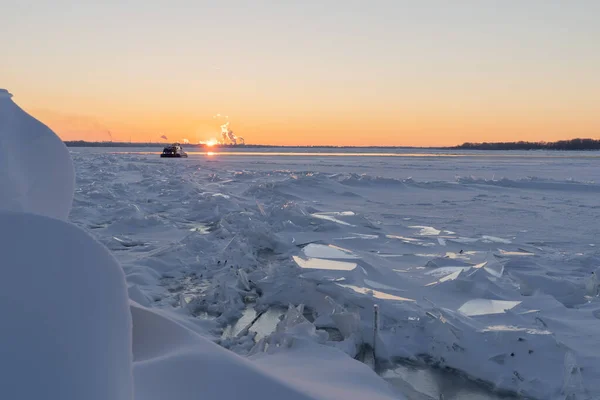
(426, 383)
(518, 253)
(128, 243)
(267, 322)
(444, 271)
(512, 328)
(331, 216)
(374, 293)
(451, 273)
(327, 251)
(403, 238)
(485, 306)
(319, 263)
(248, 315)
(251, 321)
(379, 285)
(494, 239)
(201, 228)
(334, 334)
(364, 236)
(426, 230)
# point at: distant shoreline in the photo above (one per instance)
(565, 145)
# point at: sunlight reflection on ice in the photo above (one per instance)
(327, 251)
(319, 263)
(426, 230)
(331, 216)
(201, 228)
(515, 253)
(450, 277)
(485, 306)
(378, 285)
(359, 236)
(495, 239)
(510, 328)
(374, 293)
(403, 238)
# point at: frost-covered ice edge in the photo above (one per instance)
(71, 332)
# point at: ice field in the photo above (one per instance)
(482, 264)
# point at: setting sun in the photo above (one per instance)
(211, 142)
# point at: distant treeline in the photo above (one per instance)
(573, 144)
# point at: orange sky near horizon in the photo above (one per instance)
(395, 73)
(435, 125)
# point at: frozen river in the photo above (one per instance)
(482, 263)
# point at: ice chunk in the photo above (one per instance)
(591, 285)
(403, 238)
(66, 325)
(327, 251)
(379, 285)
(331, 216)
(319, 263)
(36, 171)
(243, 280)
(495, 239)
(374, 293)
(426, 230)
(484, 306)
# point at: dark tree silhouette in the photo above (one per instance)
(573, 144)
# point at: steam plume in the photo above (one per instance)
(227, 134)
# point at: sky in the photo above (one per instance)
(364, 73)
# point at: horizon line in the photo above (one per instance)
(464, 145)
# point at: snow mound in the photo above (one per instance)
(66, 326)
(36, 170)
(172, 359)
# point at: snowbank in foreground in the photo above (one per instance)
(65, 321)
(36, 171)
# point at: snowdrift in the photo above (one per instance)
(172, 359)
(36, 171)
(66, 325)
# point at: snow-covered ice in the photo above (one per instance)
(489, 277)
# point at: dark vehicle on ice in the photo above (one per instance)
(173, 150)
